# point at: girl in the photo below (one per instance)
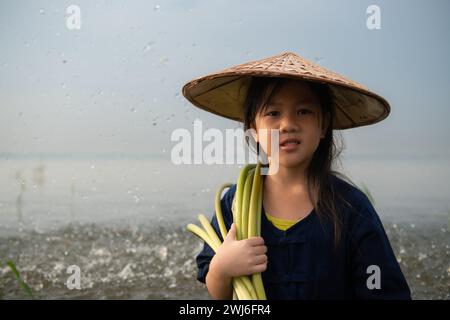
(321, 238)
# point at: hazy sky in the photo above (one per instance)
(114, 86)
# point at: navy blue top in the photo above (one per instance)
(303, 262)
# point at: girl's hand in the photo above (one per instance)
(240, 257)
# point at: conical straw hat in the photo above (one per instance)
(223, 93)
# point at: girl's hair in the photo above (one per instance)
(319, 172)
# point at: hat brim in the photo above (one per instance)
(224, 94)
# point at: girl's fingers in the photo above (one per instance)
(260, 259)
(256, 241)
(260, 250)
(258, 268)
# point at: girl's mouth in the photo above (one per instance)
(289, 144)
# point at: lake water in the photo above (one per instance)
(122, 221)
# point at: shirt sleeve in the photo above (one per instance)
(376, 273)
(204, 257)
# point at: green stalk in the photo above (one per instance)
(247, 218)
(254, 216)
(241, 289)
(258, 216)
(209, 229)
(251, 290)
(219, 215)
(246, 202)
(239, 196)
(213, 236)
(254, 202)
(202, 235)
(239, 283)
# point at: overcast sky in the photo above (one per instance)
(113, 87)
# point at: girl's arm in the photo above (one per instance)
(233, 258)
(205, 256)
(219, 285)
(376, 273)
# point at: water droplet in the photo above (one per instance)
(394, 226)
(133, 110)
(64, 61)
(402, 250)
(157, 7)
(20, 114)
(63, 85)
(412, 225)
(42, 11)
(422, 256)
(92, 167)
(148, 46)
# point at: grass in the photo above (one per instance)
(22, 283)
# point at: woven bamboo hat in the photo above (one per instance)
(224, 92)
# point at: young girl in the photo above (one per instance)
(321, 238)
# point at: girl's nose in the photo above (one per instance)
(288, 124)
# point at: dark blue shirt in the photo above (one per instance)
(303, 262)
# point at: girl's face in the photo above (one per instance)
(295, 111)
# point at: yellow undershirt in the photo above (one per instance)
(281, 224)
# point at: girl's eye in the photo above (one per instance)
(272, 113)
(305, 111)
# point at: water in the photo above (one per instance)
(123, 223)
